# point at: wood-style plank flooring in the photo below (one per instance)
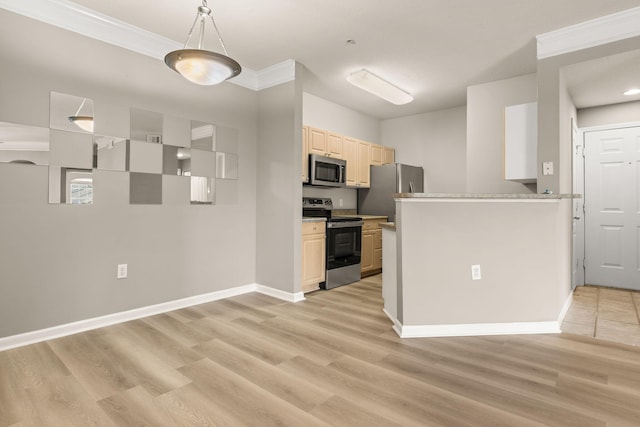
(331, 360)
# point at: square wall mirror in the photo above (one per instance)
(203, 136)
(146, 126)
(226, 165)
(71, 113)
(202, 190)
(110, 153)
(70, 186)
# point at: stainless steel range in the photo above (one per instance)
(344, 240)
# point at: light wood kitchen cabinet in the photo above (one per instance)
(305, 154)
(371, 255)
(377, 155)
(359, 155)
(317, 141)
(389, 155)
(313, 255)
(364, 164)
(334, 145)
(350, 154)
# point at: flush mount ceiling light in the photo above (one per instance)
(83, 122)
(368, 81)
(202, 66)
(632, 92)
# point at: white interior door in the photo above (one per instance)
(578, 207)
(612, 207)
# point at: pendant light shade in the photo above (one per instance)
(83, 122)
(201, 66)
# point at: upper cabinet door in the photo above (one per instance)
(335, 145)
(377, 156)
(317, 140)
(521, 142)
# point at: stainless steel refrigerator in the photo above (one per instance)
(386, 180)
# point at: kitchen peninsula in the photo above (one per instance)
(477, 264)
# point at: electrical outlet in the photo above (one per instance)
(340, 202)
(122, 271)
(547, 168)
(476, 272)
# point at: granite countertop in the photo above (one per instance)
(532, 196)
(313, 219)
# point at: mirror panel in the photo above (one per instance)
(176, 160)
(71, 113)
(145, 157)
(145, 188)
(203, 163)
(203, 136)
(24, 144)
(202, 190)
(146, 126)
(226, 165)
(70, 149)
(176, 131)
(110, 153)
(70, 186)
(227, 140)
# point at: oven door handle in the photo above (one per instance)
(345, 224)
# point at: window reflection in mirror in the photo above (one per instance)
(24, 144)
(226, 165)
(202, 190)
(110, 153)
(70, 186)
(71, 113)
(203, 136)
(146, 126)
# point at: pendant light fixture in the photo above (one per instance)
(201, 66)
(83, 122)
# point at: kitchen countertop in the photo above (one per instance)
(532, 196)
(389, 225)
(313, 219)
(363, 216)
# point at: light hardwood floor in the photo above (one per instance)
(331, 360)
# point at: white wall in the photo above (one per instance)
(437, 142)
(628, 112)
(58, 262)
(485, 132)
(279, 196)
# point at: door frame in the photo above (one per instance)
(582, 133)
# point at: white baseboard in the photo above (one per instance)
(33, 337)
(476, 329)
(565, 308)
(277, 293)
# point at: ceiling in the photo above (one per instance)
(432, 49)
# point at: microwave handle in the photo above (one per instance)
(341, 174)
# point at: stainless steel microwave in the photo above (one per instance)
(327, 171)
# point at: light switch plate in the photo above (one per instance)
(476, 272)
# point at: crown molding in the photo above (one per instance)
(596, 32)
(89, 23)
